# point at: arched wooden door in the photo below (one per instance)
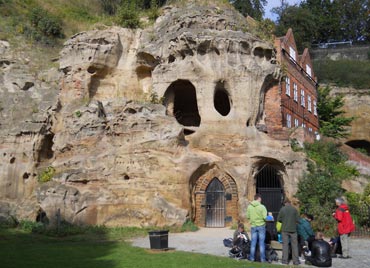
(215, 204)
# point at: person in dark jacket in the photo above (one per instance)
(305, 233)
(320, 252)
(345, 225)
(289, 217)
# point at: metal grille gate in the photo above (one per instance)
(215, 204)
(269, 186)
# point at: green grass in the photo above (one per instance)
(344, 73)
(24, 249)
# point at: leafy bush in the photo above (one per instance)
(344, 72)
(46, 175)
(128, 15)
(189, 226)
(46, 23)
(110, 6)
(318, 188)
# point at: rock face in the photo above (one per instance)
(122, 158)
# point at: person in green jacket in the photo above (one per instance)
(305, 233)
(289, 217)
(256, 214)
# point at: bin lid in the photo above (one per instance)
(158, 232)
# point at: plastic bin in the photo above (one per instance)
(158, 239)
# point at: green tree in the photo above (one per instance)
(128, 14)
(253, 8)
(331, 119)
(318, 188)
(303, 23)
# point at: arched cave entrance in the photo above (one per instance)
(221, 99)
(363, 145)
(180, 100)
(214, 198)
(269, 185)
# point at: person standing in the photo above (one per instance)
(289, 217)
(345, 225)
(256, 214)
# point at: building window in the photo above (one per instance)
(302, 98)
(287, 86)
(303, 124)
(314, 108)
(310, 129)
(308, 70)
(288, 120)
(309, 103)
(296, 122)
(295, 92)
(292, 53)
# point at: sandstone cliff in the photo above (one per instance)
(121, 157)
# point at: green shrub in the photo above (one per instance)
(128, 16)
(46, 175)
(189, 226)
(318, 188)
(31, 226)
(46, 23)
(110, 6)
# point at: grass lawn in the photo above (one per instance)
(19, 248)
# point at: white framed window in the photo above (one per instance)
(295, 92)
(296, 122)
(303, 102)
(292, 53)
(308, 70)
(310, 129)
(288, 120)
(309, 105)
(287, 86)
(314, 108)
(303, 124)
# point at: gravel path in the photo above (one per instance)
(209, 241)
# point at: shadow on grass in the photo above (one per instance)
(24, 249)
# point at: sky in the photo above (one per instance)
(275, 3)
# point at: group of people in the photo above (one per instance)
(298, 237)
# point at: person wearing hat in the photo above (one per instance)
(345, 225)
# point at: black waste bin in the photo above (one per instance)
(158, 239)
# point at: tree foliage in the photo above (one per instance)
(318, 189)
(253, 8)
(331, 119)
(325, 20)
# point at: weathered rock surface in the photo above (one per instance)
(119, 157)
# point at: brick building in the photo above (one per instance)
(295, 96)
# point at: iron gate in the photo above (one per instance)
(272, 198)
(215, 204)
(269, 186)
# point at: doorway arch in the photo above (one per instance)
(214, 197)
(269, 186)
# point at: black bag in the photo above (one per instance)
(228, 242)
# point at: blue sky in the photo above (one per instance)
(275, 3)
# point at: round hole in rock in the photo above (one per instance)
(26, 175)
(12, 160)
(221, 99)
(126, 177)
